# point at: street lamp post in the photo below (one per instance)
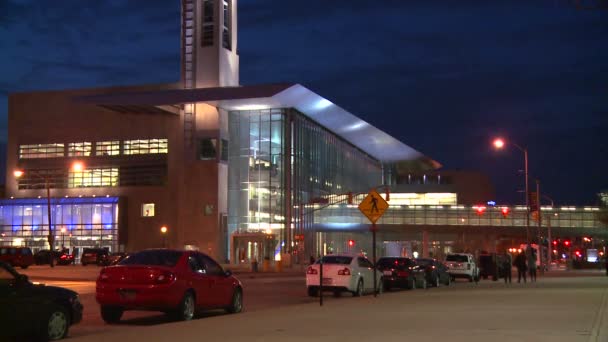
(76, 166)
(63, 230)
(499, 144)
(163, 231)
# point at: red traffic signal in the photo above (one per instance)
(566, 243)
(554, 242)
(505, 211)
(351, 243)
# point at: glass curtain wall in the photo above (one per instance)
(318, 165)
(77, 222)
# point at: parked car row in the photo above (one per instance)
(355, 273)
(180, 283)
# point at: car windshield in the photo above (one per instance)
(340, 260)
(392, 262)
(153, 258)
(457, 258)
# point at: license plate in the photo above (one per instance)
(127, 294)
(388, 273)
(327, 281)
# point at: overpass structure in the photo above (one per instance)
(437, 229)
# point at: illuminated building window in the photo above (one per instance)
(41, 151)
(207, 39)
(93, 178)
(81, 149)
(145, 146)
(107, 148)
(147, 209)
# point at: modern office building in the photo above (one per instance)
(227, 169)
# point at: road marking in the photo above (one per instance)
(599, 320)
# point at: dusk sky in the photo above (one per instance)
(444, 77)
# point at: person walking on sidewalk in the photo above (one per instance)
(520, 264)
(506, 266)
(532, 264)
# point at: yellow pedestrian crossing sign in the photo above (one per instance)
(373, 206)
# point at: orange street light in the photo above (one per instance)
(163, 231)
(499, 143)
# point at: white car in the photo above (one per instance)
(462, 265)
(342, 273)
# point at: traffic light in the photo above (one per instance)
(351, 243)
(505, 212)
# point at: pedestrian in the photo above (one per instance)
(506, 266)
(532, 264)
(520, 264)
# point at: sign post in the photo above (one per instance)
(373, 207)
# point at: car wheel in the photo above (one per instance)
(236, 305)
(359, 291)
(111, 314)
(58, 323)
(470, 279)
(312, 291)
(24, 266)
(337, 293)
(185, 310)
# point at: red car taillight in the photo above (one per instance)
(63, 256)
(345, 271)
(164, 278)
(311, 270)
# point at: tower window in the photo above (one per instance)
(227, 30)
(207, 36)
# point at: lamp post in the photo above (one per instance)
(163, 231)
(63, 230)
(76, 166)
(499, 144)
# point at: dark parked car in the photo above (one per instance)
(488, 266)
(43, 257)
(96, 256)
(436, 272)
(178, 282)
(114, 258)
(35, 312)
(17, 256)
(401, 272)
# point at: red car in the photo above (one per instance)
(177, 282)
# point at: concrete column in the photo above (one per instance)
(425, 243)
